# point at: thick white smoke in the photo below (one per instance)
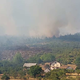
(39, 18)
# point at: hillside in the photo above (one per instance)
(64, 48)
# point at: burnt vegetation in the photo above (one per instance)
(64, 48)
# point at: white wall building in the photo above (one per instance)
(55, 65)
(28, 65)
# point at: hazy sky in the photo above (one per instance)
(39, 17)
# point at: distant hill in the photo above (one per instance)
(75, 37)
(10, 45)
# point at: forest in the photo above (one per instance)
(64, 49)
(15, 51)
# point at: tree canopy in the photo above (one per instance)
(42, 58)
(5, 77)
(17, 58)
(77, 62)
(35, 71)
(47, 57)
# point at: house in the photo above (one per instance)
(63, 67)
(72, 66)
(42, 66)
(28, 65)
(68, 66)
(55, 65)
(47, 70)
(48, 63)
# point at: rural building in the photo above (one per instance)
(55, 65)
(47, 70)
(72, 66)
(63, 67)
(48, 63)
(68, 66)
(28, 65)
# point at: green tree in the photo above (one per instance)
(35, 71)
(57, 74)
(5, 77)
(78, 71)
(22, 73)
(77, 62)
(35, 59)
(15, 74)
(47, 57)
(18, 58)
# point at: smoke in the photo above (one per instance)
(7, 24)
(39, 18)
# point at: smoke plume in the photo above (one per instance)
(39, 18)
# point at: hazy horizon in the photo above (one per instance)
(39, 18)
